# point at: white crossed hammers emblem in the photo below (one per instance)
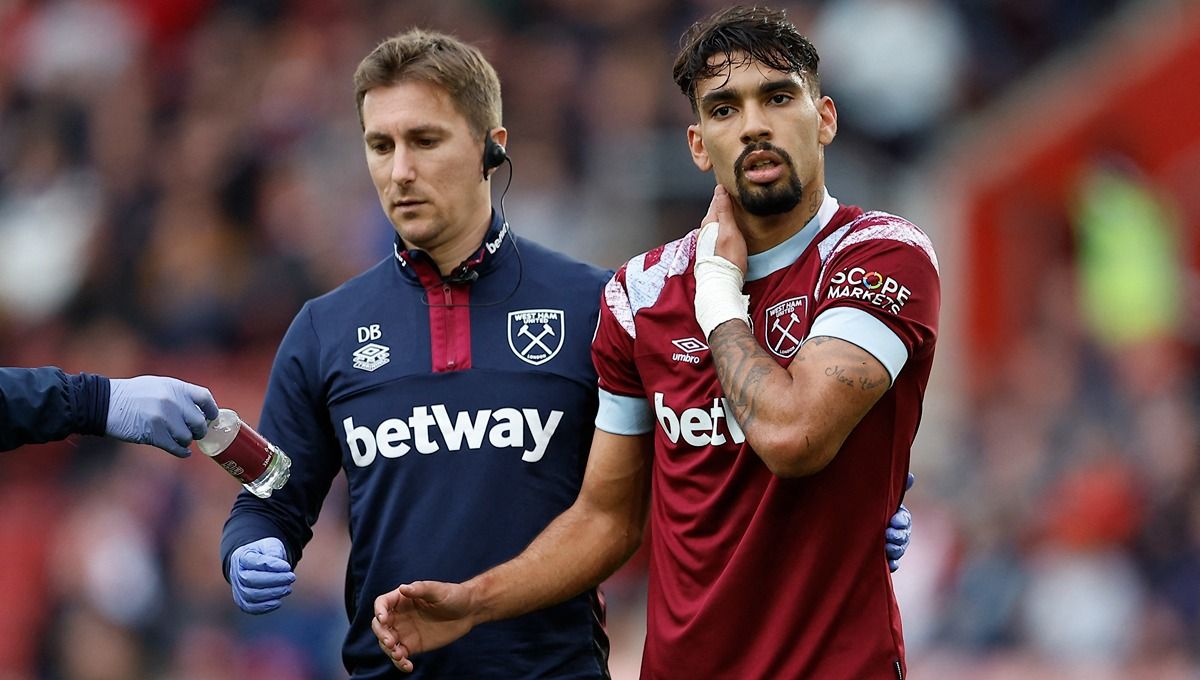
(547, 329)
(786, 333)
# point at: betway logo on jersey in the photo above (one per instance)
(874, 288)
(502, 428)
(699, 426)
(494, 245)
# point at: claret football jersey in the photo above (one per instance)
(752, 575)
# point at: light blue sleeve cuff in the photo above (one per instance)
(624, 415)
(860, 328)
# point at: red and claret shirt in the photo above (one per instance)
(753, 575)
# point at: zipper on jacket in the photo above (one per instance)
(448, 298)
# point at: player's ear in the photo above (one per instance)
(696, 146)
(828, 120)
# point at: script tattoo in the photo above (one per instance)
(814, 203)
(742, 367)
(868, 384)
(839, 373)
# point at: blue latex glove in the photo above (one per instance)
(165, 412)
(899, 531)
(260, 575)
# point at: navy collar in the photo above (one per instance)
(416, 264)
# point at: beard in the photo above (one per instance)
(775, 198)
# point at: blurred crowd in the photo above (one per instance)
(177, 177)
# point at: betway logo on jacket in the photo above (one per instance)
(699, 426)
(431, 428)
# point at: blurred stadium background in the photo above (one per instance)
(178, 176)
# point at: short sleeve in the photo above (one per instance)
(883, 270)
(623, 406)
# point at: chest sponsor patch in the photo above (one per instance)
(371, 356)
(785, 325)
(536, 335)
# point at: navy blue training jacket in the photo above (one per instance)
(44, 404)
(461, 410)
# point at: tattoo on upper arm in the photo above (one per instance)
(863, 382)
(743, 368)
(868, 384)
(840, 374)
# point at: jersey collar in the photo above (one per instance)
(416, 264)
(761, 265)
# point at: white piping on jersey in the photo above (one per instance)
(825, 247)
(886, 226)
(762, 265)
(891, 227)
(644, 284)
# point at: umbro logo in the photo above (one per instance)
(689, 346)
(371, 356)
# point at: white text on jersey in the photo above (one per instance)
(875, 288)
(503, 428)
(698, 426)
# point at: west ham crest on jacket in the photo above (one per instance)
(535, 335)
(785, 325)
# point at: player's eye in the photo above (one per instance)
(781, 98)
(721, 111)
(425, 142)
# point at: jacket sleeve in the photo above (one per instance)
(295, 417)
(45, 404)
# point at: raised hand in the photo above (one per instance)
(720, 267)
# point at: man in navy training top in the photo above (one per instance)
(764, 376)
(452, 383)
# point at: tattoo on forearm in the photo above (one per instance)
(742, 367)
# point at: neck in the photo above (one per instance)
(765, 232)
(449, 255)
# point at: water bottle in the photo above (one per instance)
(258, 464)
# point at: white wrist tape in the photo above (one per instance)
(718, 285)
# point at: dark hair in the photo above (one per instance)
(761, 34)
(437, 58)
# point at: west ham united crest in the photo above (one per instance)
(785, 326)
(535, 335)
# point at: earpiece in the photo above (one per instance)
(494, 154)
